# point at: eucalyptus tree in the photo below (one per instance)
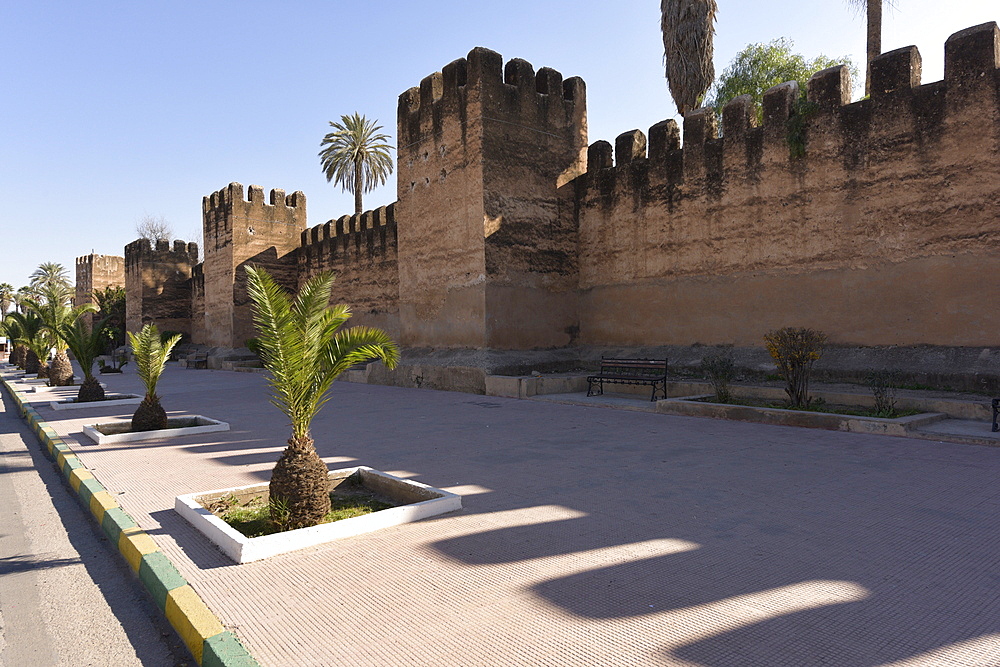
(688, 27)
(356, 156)
(151, 353)
(304, 350)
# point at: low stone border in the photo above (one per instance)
(72, 404)
(209, 642)
(689, 406)
(202, 425)
(424, 502)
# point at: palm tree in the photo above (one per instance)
(303, 351)
(6, 298)
(55, 311)
(31, 335)
(22, 293)
(688, 27)
(10, 329)
(85, 344)
(151, 353)
(873, 10)
(356, 156)
(49, 274)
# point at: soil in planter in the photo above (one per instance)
(815, 406)
(126, 427)
(253, 517)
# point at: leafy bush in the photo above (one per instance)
(883, 384)
(720, 370)
(794, 351)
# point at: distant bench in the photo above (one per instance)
(996, 409)
(651, 372)
(197, 361)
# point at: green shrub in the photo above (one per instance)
(720, 370)
(883, 384)
(794, 351)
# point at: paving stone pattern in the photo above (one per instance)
(589, 536)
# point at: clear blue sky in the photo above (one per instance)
(114, 110)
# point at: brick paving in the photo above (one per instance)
(589, 536)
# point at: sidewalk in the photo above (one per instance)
(589, 536)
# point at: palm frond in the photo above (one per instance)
(688, 27)
(151, 353)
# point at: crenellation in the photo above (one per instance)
(664, 137)
(255, 193)
(895, 71)
(549, 82)
(600, 156)
(520, 74)
(971, 53)
(778, 105)
(739, 116)
(629, 146)
(830, 88)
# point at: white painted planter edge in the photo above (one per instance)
(213, 426)
(134, 399)
(244, 549)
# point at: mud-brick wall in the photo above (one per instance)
(884, 231)
(361, 251)
(158, 285)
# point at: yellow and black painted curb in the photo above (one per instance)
(209, 642)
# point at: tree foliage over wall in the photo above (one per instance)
(761, 66)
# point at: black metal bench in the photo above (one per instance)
(630, 371)
(996, 409)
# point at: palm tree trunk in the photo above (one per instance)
(358, 186)
(300, 486)
(874, 8)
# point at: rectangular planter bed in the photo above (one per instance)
(415, 501)
(119, 431)
(111, 400)
(692, 407)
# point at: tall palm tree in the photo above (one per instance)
(356, 156)
(6, 298)
(85, 344)
(24, 292)
(304, 352)
(151, 353)
(688, 27)
(49, 274)
(873, 11)
(56, 311)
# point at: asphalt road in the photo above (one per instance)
(66, 597)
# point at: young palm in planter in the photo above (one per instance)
(85, 345)
(300, 346)
(151, 353)
(56, 312)
(34, 341)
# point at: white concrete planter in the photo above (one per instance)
(116, 399)
(74, 388)
(422, 502)
(120, 430)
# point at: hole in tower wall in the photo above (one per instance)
(443, 174)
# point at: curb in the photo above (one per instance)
(202, 632)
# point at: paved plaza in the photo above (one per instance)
(589, 536)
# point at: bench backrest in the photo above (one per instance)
(654, 368)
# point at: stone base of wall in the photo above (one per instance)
(965, 369)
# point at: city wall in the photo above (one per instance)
(157, 284)
(95, 273)
(880, 234)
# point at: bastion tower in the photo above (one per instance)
(484, 259)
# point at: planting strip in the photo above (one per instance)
(209, 642)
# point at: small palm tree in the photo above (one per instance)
(688, 27)
(356, 156)
(304, 352)
(55, 311)
(10, 329)
(85, 344)
(151, 353)
(32, 337)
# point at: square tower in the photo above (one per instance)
(485, 258)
